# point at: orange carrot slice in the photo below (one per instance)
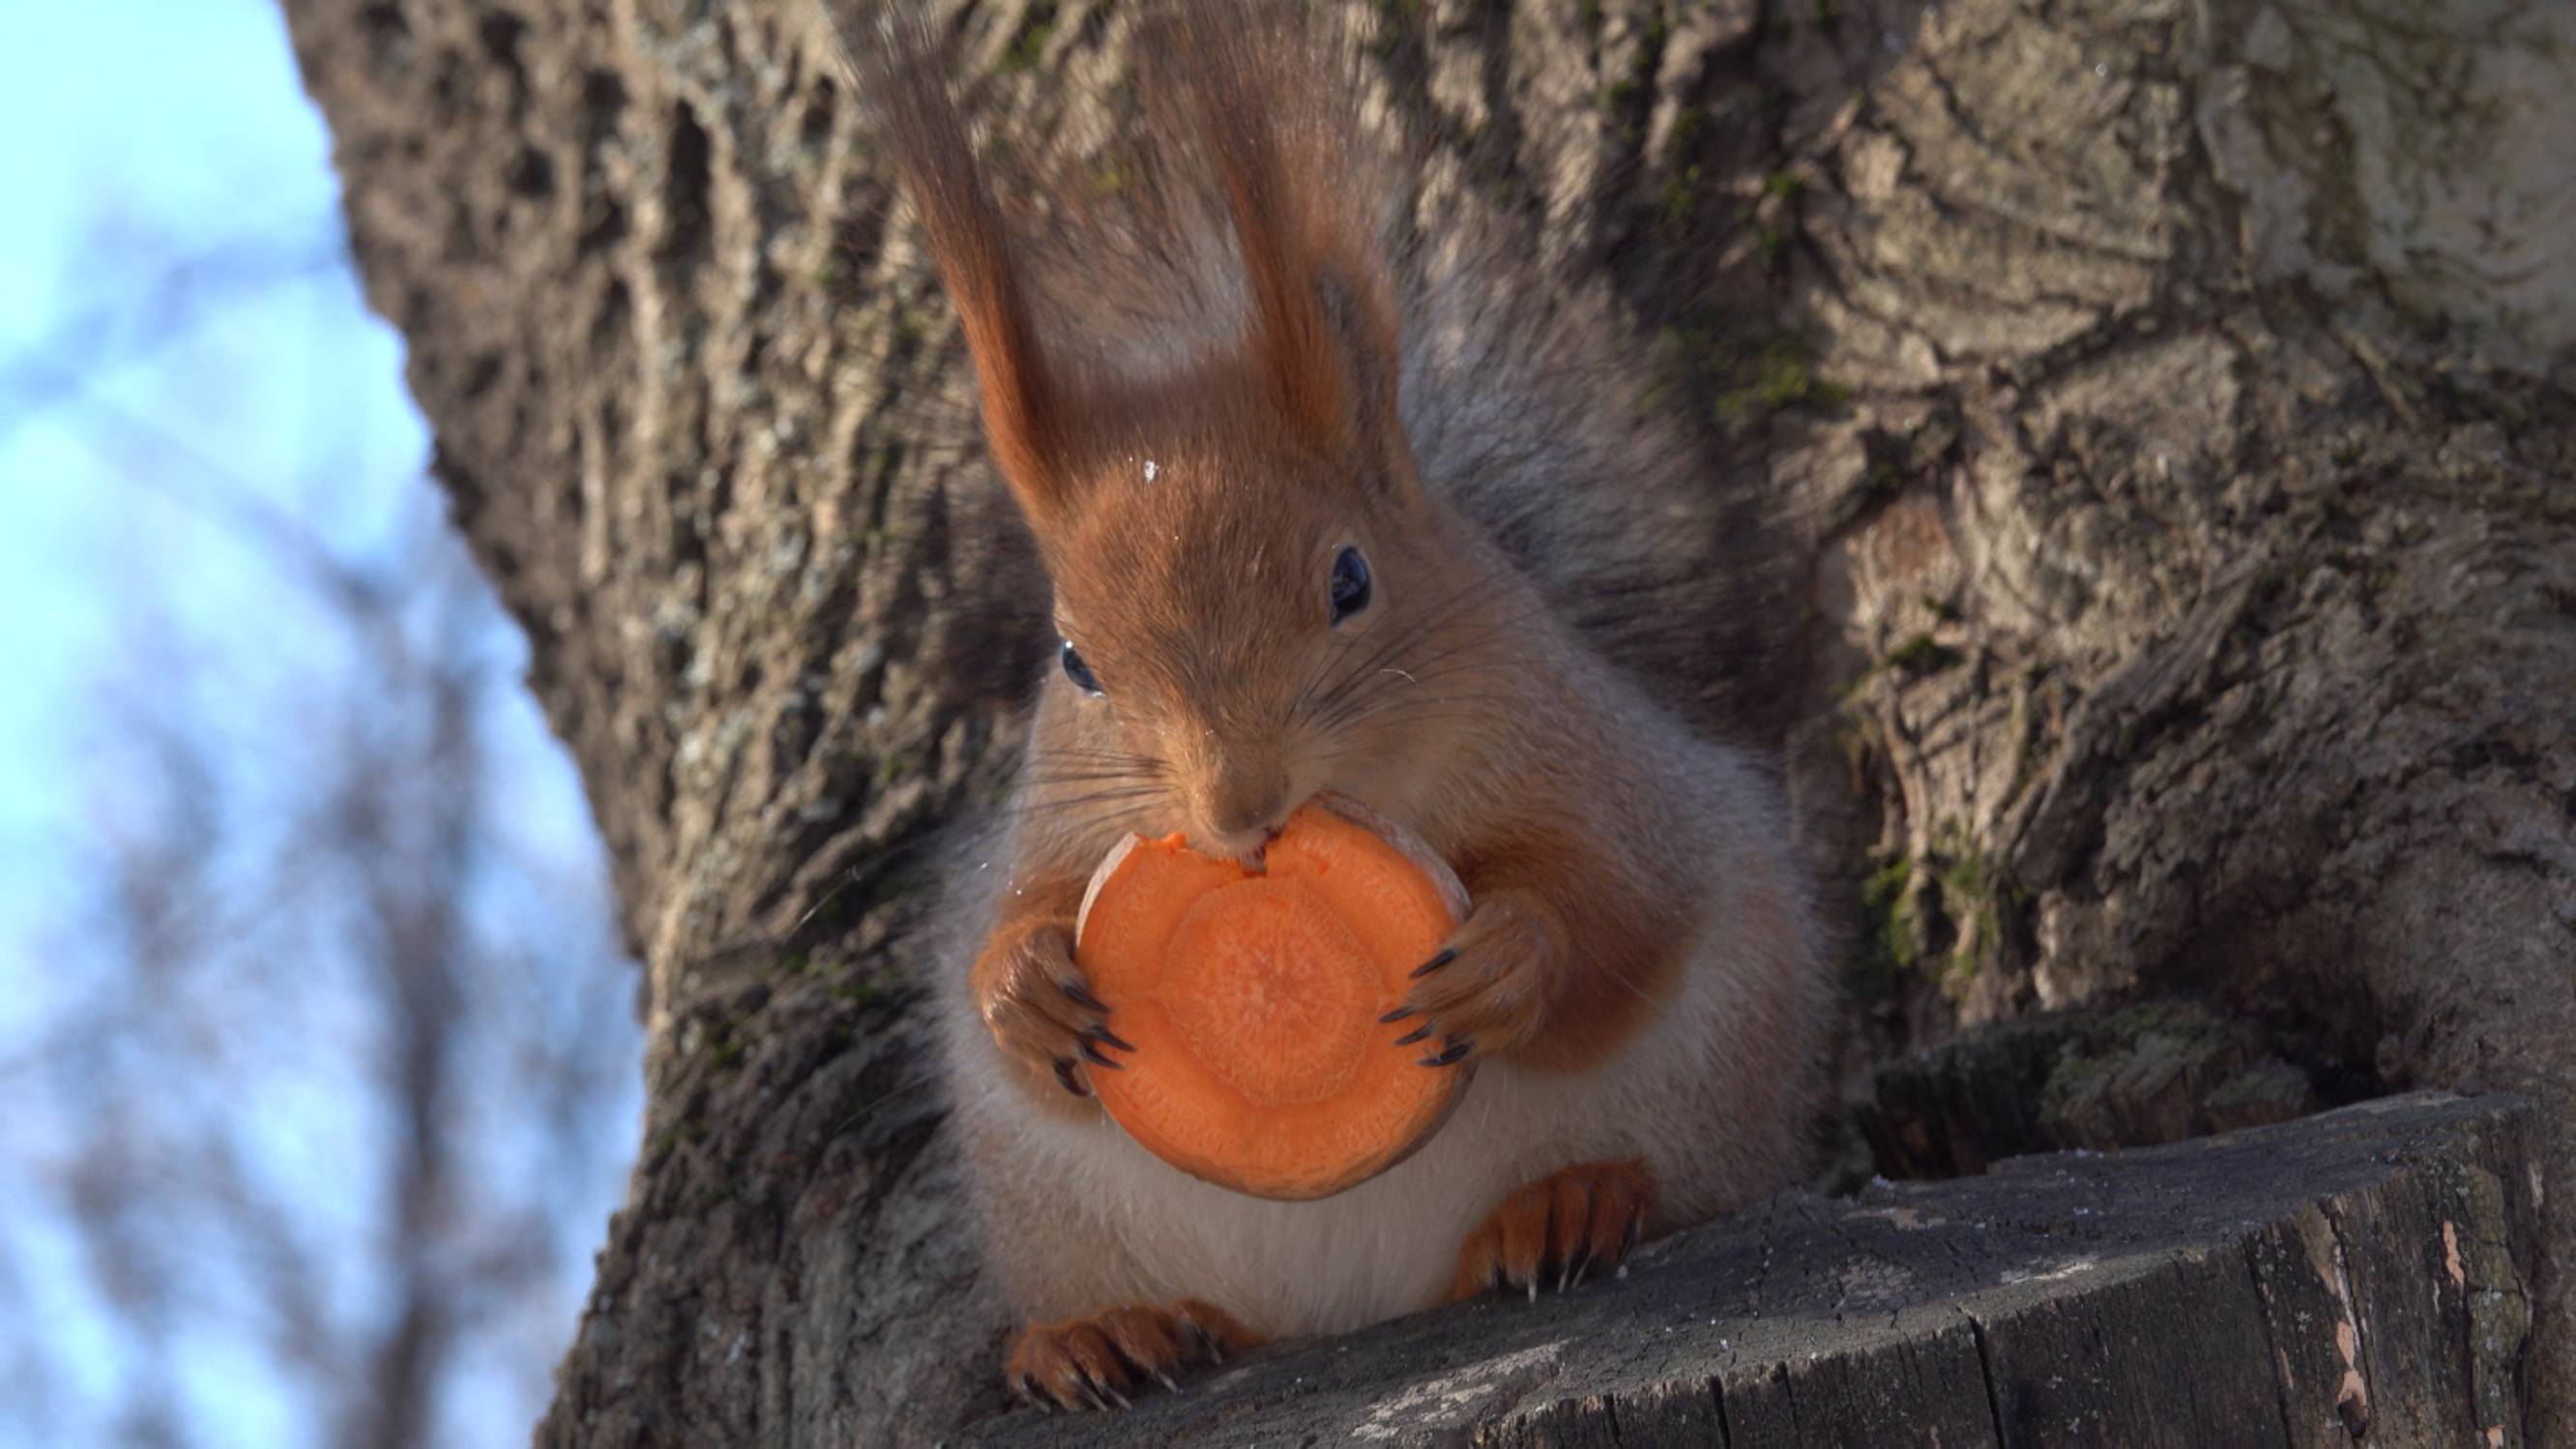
(1253, 1001)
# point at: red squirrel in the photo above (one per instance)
(1270, 432)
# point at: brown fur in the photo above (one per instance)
(1199, 403)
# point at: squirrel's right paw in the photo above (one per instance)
(1094, 1363)
(1039, 1009)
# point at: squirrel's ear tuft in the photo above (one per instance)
(894, 67)
(1255, 92)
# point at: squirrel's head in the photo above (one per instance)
(1246, 565)
(1255, 599)
(1246, 621)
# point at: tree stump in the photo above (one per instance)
(2365, 1272)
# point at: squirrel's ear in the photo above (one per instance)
(1256, 96)
(893, 67)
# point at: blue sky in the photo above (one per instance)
(204, 149)
(181, 341)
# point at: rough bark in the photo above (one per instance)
(2151, 1072)
(2161, 405)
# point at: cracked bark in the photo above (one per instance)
(2161, 410)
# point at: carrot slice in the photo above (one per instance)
(1253, 1001)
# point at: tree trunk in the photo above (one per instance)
(2161, 406)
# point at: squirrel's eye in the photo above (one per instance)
(1077, 671)
(1350, 584)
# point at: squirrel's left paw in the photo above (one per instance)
(1096, 1362)
(1569, 1224)
(1486, 990)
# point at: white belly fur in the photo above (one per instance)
(1390, 1245)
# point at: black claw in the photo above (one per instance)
(1082, 996)
(1207, 1338)
(1106, 1037)
(1415, 1035)
(1456, 1052)
(1099, 1058)
(1392, 1017)
(1064, 1074)
(1434, 964)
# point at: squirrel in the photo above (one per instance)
(1313, 484)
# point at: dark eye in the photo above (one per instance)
(1350, 584)
(1077, 671)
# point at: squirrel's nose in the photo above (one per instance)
(1242, 822)
(1265, 820)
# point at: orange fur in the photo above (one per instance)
(1094, 1361)
(1572, 1223)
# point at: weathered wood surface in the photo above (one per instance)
(2138, 1075)
(2361, 1273)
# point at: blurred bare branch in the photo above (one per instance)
(329, 1072)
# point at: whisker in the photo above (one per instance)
(1077, 777)
(1090, 751)
(1374, 724)
(1117, 819)
(1422, 672)
(1029, 808)
(1385, 712)
(1103, 758)
(1370, 670)
(1437, 711)
(1422, 628)
(1398, 640)
(1392, 664)
(1430, 617)
(1477, 633)
(1394, 701)
(1316, 675)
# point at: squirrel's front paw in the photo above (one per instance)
(1486, 991)
(1038, 1008)
(1094, 1363)
(1573, 1222)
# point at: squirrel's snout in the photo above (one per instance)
(1242, 818)
(1265, 820)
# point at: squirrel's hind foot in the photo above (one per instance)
(1096, 1362)
(1570, 1224)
